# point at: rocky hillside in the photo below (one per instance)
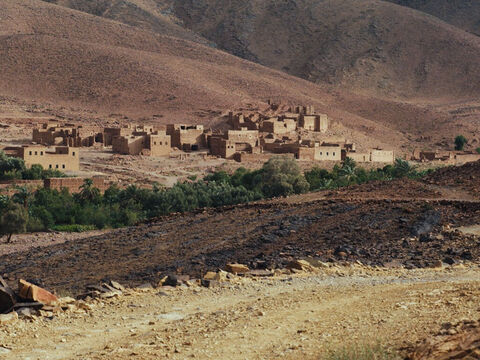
(149, 15)
(374, 46)
(52, 54)
(464, 14)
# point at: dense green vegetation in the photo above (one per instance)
(350, 174)
(89, 209)
(460, 142)
(14, 168)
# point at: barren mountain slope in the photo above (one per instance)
(464, 14)
(62, 57)
(371, 46)
(146, 14)
(65, 58)
(55, 54)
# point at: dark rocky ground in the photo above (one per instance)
(466, 177)
(376, 232)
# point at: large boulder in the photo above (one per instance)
(33, 292)
(7, 299)
(237, 268)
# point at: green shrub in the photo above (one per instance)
(460, 142)
(35, 225)
(13, 220)
(281, 176)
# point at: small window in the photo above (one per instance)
(56, 166)
(63, 166)
(36, 152)
(155, 143)
(327, 153)
(41, 152)
(333, 154)
(50, 166)
(73, 153)
(30, 153)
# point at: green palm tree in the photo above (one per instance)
(23, 196)
(89, 193)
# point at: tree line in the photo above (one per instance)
(47, 209)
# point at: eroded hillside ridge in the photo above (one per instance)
(373, 46)
(148, 15)
(464, 14)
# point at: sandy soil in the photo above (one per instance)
(291, 317)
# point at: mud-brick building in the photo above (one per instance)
(239, 121)
(234, 141)
(303, 110)
(328, 152)
(62, 158)
(187, 137)
(373, 155)
(55, 133)
(319, 122)
(156, 144)
(278, 126)
(109, 133)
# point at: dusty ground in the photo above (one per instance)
(291, 317)
(144, 170)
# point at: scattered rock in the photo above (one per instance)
(448, 260)
(117, 285)
(7, 299)
(211, 275)
(208, 283)
(302, 265)
(146, 286)
(260, 273)
(110, 294)
(171, 280)
(237, 268)
(8, 318)
(464, 345)
(66, 300)
(26, 312)
(35, 293)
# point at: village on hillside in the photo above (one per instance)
(300, 132)
(253, 137)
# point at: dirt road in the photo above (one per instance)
(291, 317)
